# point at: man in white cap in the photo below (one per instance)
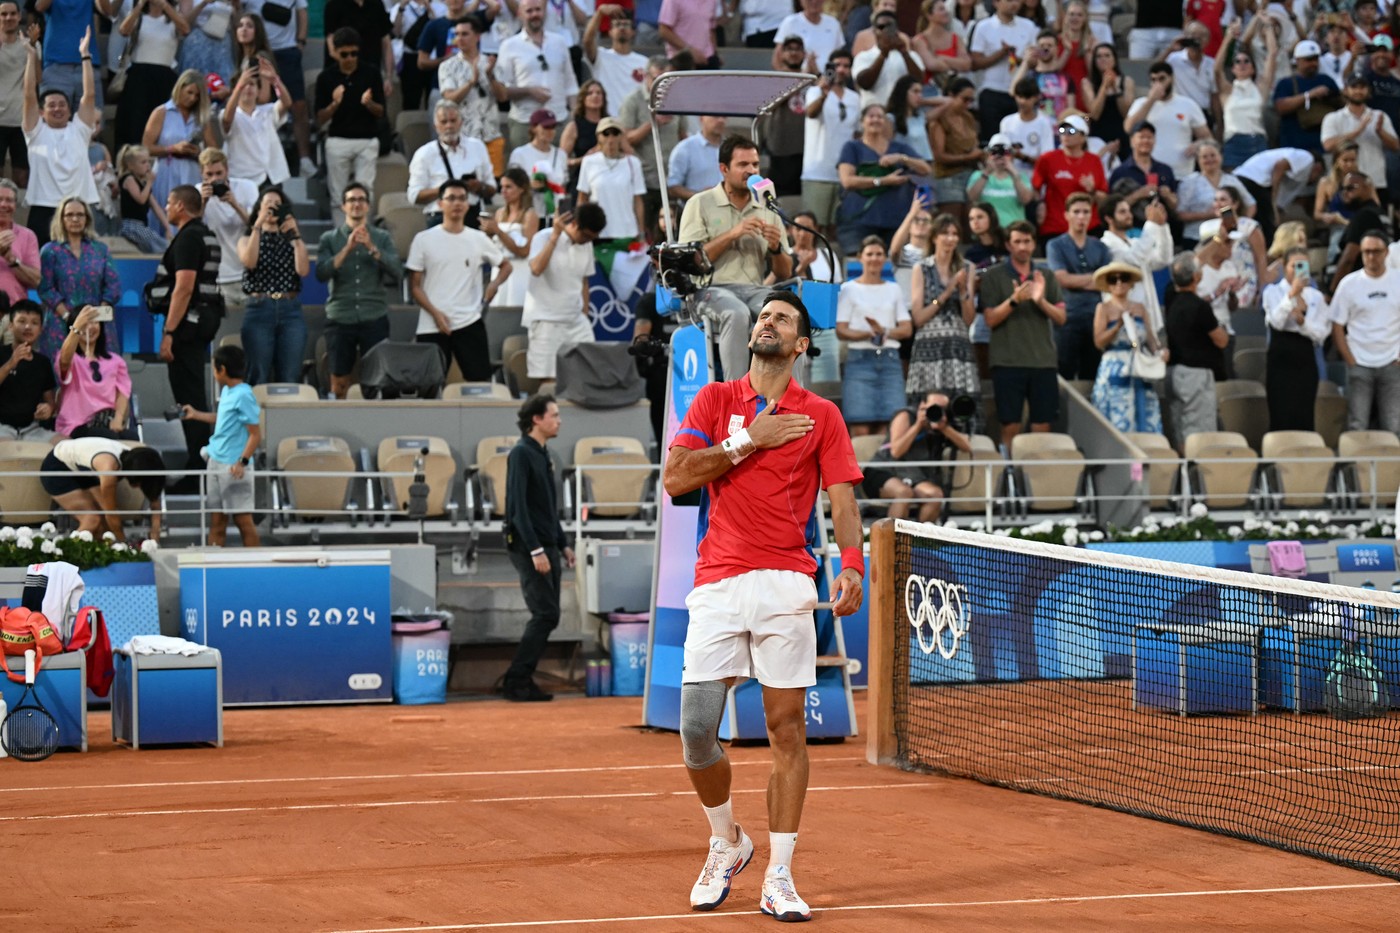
(1304, 99)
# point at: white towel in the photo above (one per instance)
(62, 590)
(161, 644)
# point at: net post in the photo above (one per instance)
(881, 745)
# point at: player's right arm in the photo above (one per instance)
(688, 468)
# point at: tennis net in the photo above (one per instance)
(1243, 704)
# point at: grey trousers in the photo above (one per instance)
(729, 312)
(1373, 389)
(1191, 402)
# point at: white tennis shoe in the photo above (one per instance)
(726, 859)
(780, 898)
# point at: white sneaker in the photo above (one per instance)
(308, 168)
(780, 898)
(726, 859)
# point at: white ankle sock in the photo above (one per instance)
(780, 846)
(722, 820)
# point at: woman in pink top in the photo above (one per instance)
(687, 26)
(95, 395)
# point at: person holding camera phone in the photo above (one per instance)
(227, 212)
(75, 269)
(250, 128)
(922, 436)
(999, 182)
(95, 399)
(1300, 321)
(273, 256)
(26, 378)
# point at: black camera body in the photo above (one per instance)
(174, 412)
(679, 266)
(218, 188)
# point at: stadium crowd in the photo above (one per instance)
(1013, 204)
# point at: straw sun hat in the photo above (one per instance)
(1104, 272)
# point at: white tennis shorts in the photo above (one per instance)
(757, 624)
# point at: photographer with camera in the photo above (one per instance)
(274, 259)
(745, 241)
(450, 155)
(228, 204)
(916, 437)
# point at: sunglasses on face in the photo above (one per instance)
(359, 199)
(611, 133)
(1118, 278)
(1068, 131)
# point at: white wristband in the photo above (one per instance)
(738, 445)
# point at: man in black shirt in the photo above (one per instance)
(26, 378)
(534, 541)
(651, 339)
(196, 308)
(349, 103)
(1196, 342)
(370, 22)
(1359, 197)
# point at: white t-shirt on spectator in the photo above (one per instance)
(763, 15)
(988, 38)
(884, 303)
(822, 37)
(428, 170)
(1370, 152)
(612, 184)
(1175, 121)
(557, 295)
(58, 163)
(228, 226)
(520, 65)
(253, 149)
(1260, 170)
(278, 37)
(1036, 136)
(894, 69)
(1196, 83)
(451, 264)
(824, 136)
(619, 74)
(1369, 309)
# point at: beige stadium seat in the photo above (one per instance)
(867, 445)
(613, 493)
(1299, 484)
(1227, 484)
(490, 473)
(1250, 364)
(404, 224)
(391, 174)
(392, 200)
(1329, 413)
(23, 500)
(518, 378)
(1364, 450)
(413, 118)
(1163, 466)
(1243, 409)
(1052, 486)
(415, 136)
(968, 482)
(476, 390)
(284, 392)
(310, 496)
(1085, 387)
(397, 455)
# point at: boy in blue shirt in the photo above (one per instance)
(230, 452)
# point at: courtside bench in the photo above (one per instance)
(168, 699)
(61, 686)
(1187, 669)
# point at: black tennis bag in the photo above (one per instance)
(1355, 686)
(392, 370)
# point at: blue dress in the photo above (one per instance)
(1129, 404)
(204, 53)
(171, 172)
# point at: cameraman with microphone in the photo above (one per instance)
(745, 240)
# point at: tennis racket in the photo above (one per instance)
(29, 733)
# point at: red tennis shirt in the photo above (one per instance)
(761, 515)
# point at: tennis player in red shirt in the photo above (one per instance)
(760, 446)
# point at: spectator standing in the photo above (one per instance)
(228, 211)
(235, 439)
(1157, 25)
(821, 34)
(251, 142)
(910, 117)
(543, 161)
(618, 67)
(450, 155)
(468, 79)
(832, 118)
(1242, 97)
(636, 118)
(67, 34)
(356, 259)
(445, 276)
(953, 138)
(942, 309)
(534, 540)
(689, 27)
(1359, 197)
(1275, 178)
(82, 476)
(1193, 69)
(1140, 178)
(556, 312)
(695, 162)
(1329, 206)
(912, 243)
(876, 178)
(1074, 257)
(135, 180)
(274, 259)
(19, 248)
(249, 44)
(879, 67)
(1043, 62)
(531, 82)
(1366, 330)
(940, 48)
(26, 378)
(1077, 37)
(862, 29)
(985, 248)
(1336, 59)
(1299, 322)
(783, 128)
(1149, 251)
(872, 315)
(1241, 240)
(1107, 94)
(1120, 327)
(761, 19)
(994, 46)
(154, 29)
(1022, 304)
(1196, 193)
(57, 143)
(1028, 131)
(349, 103)
(177, 132)
(370, 22)
(14, 57)
(286, 24)
(1001, 183)
(1303, 99)
(1196, 359)
(1064, 171)
(436, 43)
(1176, 118)
(966, 15)
(613, 179)
(580, 135)
(1369, 128)
(196, 308)
(513, 227)
(76, 270)
(407, 21)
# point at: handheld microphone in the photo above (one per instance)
(764, 192)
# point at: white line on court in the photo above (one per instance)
(206, 811)
(386, 777)
(932, 905)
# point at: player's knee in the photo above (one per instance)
(702, 708)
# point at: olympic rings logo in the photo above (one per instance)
(948, 615)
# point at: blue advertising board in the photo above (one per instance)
(293, 627)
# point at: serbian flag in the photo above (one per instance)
(621, 275)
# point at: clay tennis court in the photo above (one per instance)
(487, 815)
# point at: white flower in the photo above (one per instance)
(1068, 522)
(7, 533)
(1071, 537)
(1323, 517)
(1313, 530)
(1351, 532)
(1252, 524)
(24, 540)
(1096, 536)
(1170, 521)
(48, 547)
(108, 537)
(149, 546)
(977, 526)
(1291, 528)
(118, 547)
(1236, 531)
(82, 535)
(47, 528)
(950, 524)
(1199, 510)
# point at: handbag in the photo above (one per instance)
(215, 25)
(276, 13)
(1145, 363)
(1312, 113)
(117, 84)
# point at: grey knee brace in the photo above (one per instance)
(702, 708)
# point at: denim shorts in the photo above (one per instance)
(873, 389)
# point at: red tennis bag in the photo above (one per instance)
(22, 630)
